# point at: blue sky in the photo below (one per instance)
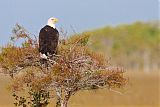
(80, 14)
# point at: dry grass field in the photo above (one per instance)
(141, 91)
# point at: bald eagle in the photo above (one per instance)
(48, 39)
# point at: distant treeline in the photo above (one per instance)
(135, 46)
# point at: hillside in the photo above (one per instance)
(135, 46)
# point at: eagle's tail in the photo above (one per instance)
(43, 56)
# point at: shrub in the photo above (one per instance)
(74, 68)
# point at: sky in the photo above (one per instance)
(78, 15)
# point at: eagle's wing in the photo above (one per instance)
(54, 43)
(42, 40)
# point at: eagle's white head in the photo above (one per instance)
(52, 21)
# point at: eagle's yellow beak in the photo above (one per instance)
(55, 20)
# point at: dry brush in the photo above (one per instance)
(74, 68)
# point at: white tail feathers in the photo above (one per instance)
(43, 56)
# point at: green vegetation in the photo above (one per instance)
(135, 46)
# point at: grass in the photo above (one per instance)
(141, 91)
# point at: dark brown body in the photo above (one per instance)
(48, 40)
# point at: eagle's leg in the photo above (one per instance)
(43, 62)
